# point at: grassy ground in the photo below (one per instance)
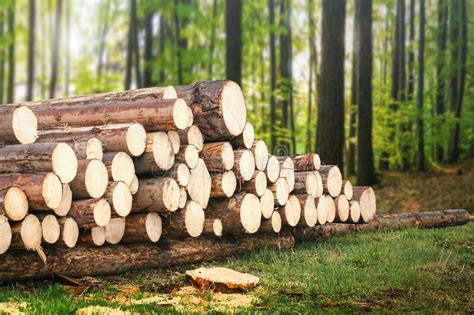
(406, 271)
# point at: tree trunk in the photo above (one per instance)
(131, 29)
(233, 28)
(330, 129)
(55, 52)
(365, 154)
(136, 47)
(31, 50)
(212, 43)
(312, 52)
(67, 48)
(411, 53)
(273, 139)
(2, 56)
(148, 67)
(103, 29)
(11, 54)
(156, 194)
(420, 93)
(90, 212)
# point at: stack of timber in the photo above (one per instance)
(151, 177)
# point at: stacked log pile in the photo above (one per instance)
(107, 176)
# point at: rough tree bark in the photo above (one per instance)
(233, 28)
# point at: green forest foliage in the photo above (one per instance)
(89, 25)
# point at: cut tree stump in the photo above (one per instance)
(221, 279)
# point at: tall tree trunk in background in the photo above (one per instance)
(365, 152)
(462, 48)
(312, 45)
(129, 64)
(411, 52)
(11, 54)
(163, 33)
(103, 29)
(262, 88)
(402, 92)
(2, 55)
(384, 52)
(330, 129)
(136, 47)
(31, 50)
(67, 75)
(212, 43)
(233, 30)
(290, 76)
(421, 86)
(351, 159)
(55, 52)
(148, 55)
(271, 10)
(440, 76)
(177, 29)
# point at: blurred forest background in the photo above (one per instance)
(370, 85)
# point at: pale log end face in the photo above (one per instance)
(276, 222)
(293, 211)
(51, 229)
(250, 213)
(194, 219)
(169, 93)
(191, 156)
(247, 165)
(229, 183)
(331, 210)
(115, 230)
(190, 117)
(25, 125)
(96, 178)
(16, 204)
(181, 114)
(94, 149)
(134, 185)
(217, 227)
(268, 203)
(183, 174)
(5, 234)
(367, 205)
(342, 208)
(175, 141)
(320, 185)
(287, 170)
(183, 197)
(227, 155)
(153, 226)
(136, 139)
(260, 183)
(102, 212)
(282, 191)
(163, 152)
(334, 181)
(316, 161)
(200, 182)
(322, 209)
(233, 108)
(98, 235)
(354, 211)
(248, 135)
(52, 190)
(123, 168)
(66, 201)
(171, 195)
(122, 199)
(273, 169)
(64, 162)
(195, 137)
(260, 152)
(310, 212)
(312, 184)
(70, 233)
(31, 234)
(347, 190)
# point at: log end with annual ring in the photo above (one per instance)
(122, 199)
(250, 213)
(194, 219)
(229, 183)
(66, 202)
(25, 125)
(276, 222)
(171, 195)
(233, 108)
(267, 202)
(64, 162)
(227, 155)
(16, 204)
(136, 139)
(181, 116)
(94, 149)
(247, 165)
(96, 178)
(123, 168)
(52, 190)
(51, 229)
(153, 226)
(30, 232)
(273, 169)
(70, 232)
(310, 212)
(102, 212)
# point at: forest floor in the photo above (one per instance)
(428, 271)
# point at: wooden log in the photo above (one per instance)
(306, 183)
(50, 229)
(260, 153)
(5, 234)
(192, 135)
(86, 150)
(91, 211)
(366, 197)
(223, 184)
(18, 124)
(287, 171)
(120, 167)
(257, 185)
(354, 214)
(239, 214)
(218, 107)
(186, 222)
(244, 164)
(291, 212)
(118, 195)
(331, 210)
(246, 139)
(199, 186)
(218, 156)
(180, 173)
(158, 156)
(134, 185)
(307, 162)
(212, 227)
(94, 236)
(27, 233)
(272, 169)
(156, 194)
(84, 261)
(342, 208)
(13, 204)
(69, 232)
(142, 228)
(65, 203)
(319, 180)
(175, 141)
(39, 157)
(91, 180)
(273, 225)
(130, 138)
(267, 202)
(189, 155)
(347, 189)
(154, 115)
(332, 179)
(183, 198)
(115, 230)
(44, 190)
(322, 208)
(309, 214)
(280, 191)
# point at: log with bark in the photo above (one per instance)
(180, 173)
(267, 202)
(120, 167)
(91, 211)
(307, 162)
(256, 185)
(86, 150)
(212, 227)
(306, 183)
(192, 135)
(309, 213)
(115, 230)
(39, 157)
(185, 222)
(142, 228)
(91, 180)
(223, 184)
(365, 195)
(134, 185)
(218, 156)
(27, 233)
(271, 226)
(244, 164)
(342, 208)
(50, 228)
(280, 191)
(119, 197)
(272, 169)
(199, 186)
(260, 153)
(156, 195)
(18, 124)
(246, 139)
(218, 107)
(5, 234)
(287, 171)
(13, 204)
(332, 179)
(189, 155)
(158, 156)
(291, 212)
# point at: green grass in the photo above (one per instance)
(406, 271)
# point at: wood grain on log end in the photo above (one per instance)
(280, 191)
(267, 202)
(15, 203)
(91, 180)
(272, 169)
(331, 209)
(24, 125)
(50, 229)
(347, 189)
(5, 234)
(322, 207)
(134, 185)
(287, 170)
(163, 152)
(136, 139)
(70, 232)
(119, 197)
(310, 214)
(244, 164)
(175, 141)
(245, 139)
(199, 186)
(183, 197)
(27, 233)
(94, 149)
(115, 230)
(260, 152)
(194, 218)
(354, 214)
(342, 208)
(120, 167)
(276, 222)
(365, 195)
(291, 212)
(64, 162)
(332, 179)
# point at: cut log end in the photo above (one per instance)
(292, 211)
(276, 222)
(15, 203)
(309, 211)
(153, 226)
(366, 197)
(191, 156)
(50, 229)
(251, 213)
(24, 125)
(98, 235)
(136, 139)
(64, 162)
(194, 137)
(320, 184)
(260, 152)
(229, 183)
(227, 156)
(267, 202)
(342, 208)
(194, 219)
(272, 169)
(281, 191)
(173, 135)
(182, 174)
(347, 189)
(333, 180)
(322, 209)
(169, 93)
(96, 178)
(122, 168)
(233, 108)
(30, 232)
(311, 184)
(52, 190)
(180, 114)
(94, 149)
(171, 195)
(122, 199)
(5, 234)
(246, 165)
(354, 214)
(190, 117)
(183, 197)
(246, 139)
(287, 170)
(70, 233)
(134, 185)
(199, 186)
(163, 152)
(217, 227)
(66, 200)
(331, 210)
(102, 212)
(115, 230)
